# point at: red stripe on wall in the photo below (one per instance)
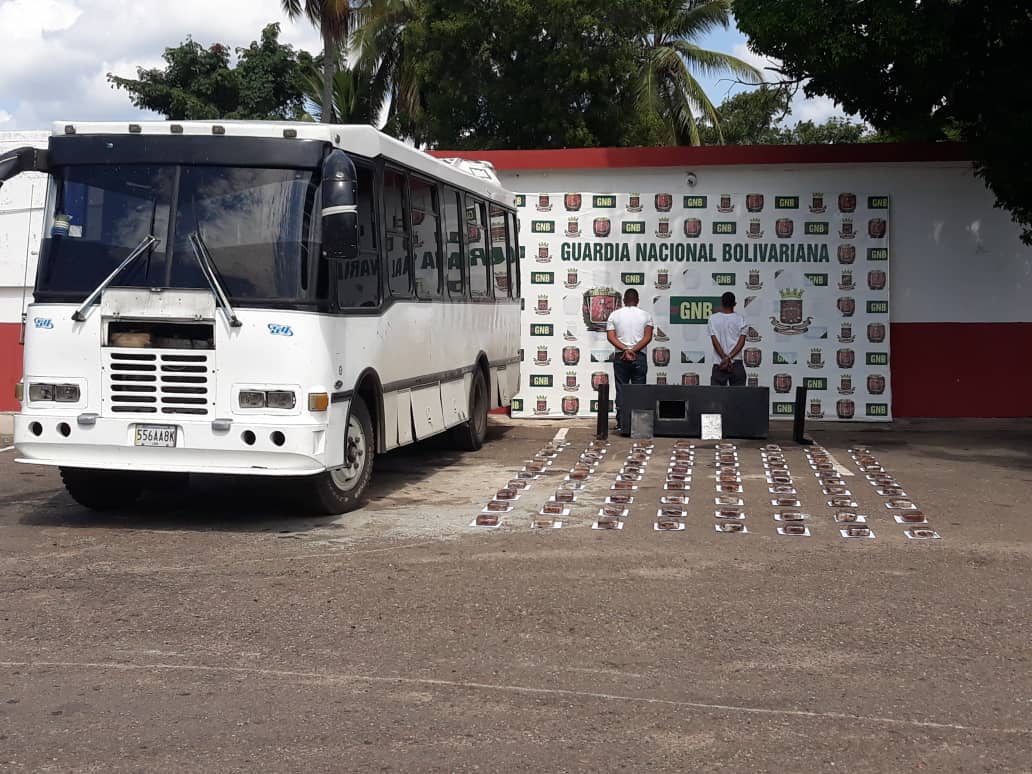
(10, 364)
(961, 369)
(687, 156)
(938, 369)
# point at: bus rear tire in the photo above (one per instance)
(469, 436)
(341, 489)
(102, 490)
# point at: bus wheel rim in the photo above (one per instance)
(347, 475)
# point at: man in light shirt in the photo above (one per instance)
(726, 329)
(629, 330)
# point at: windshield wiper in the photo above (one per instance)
(148, 241)
(208, 270)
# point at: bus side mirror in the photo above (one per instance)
(22, 160)
(339, 209)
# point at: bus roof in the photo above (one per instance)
(359, 139)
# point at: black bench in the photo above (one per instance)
(678, 410)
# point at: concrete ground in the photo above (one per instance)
(221, 630)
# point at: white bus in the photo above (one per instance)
(269, 299)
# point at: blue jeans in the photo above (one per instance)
(629, 372)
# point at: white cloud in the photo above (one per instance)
(761, 63)
(803, 108)
(816, 109)
(58, 52)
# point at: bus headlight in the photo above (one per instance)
(252, 399)
(60, 393)
(280, 399)
(41, 391)
(283, 400)
(66, 393)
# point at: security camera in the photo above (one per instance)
(691, 179)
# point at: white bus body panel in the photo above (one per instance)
(421, 352)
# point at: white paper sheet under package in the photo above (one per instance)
(711, 427)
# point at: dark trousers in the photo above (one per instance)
(735, 376)
(629, 372)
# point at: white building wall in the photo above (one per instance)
(954, 258)
(21, 221)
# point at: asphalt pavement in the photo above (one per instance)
(222, 629)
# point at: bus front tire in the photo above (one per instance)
(469, 436)
(102, 490)
(341, 489)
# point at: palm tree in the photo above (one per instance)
(667, 90)
(379, 40)
(351, 102)
(333, 20)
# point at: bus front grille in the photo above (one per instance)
(158, 382)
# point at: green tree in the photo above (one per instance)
(758, 117)
(352, 97)
(749, 118)
(930, 70)
(667, 90)
(522, 73)
(832, 131)
(202, 83)
(384, 57)
(333, 20)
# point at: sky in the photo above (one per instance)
(56, 53)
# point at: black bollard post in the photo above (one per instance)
(602, 422)
(799, 419)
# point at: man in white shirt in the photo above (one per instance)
(629, 330)
(726, 329)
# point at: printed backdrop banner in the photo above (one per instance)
(810, 272)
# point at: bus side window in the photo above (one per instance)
(499, 247)
(426, 230)
(453, 245)
(357, 280)
(366, 210)
(513, 255)
(477, 258)
(397, 252)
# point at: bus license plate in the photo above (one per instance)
(156, 435)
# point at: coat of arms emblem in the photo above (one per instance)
(598, 304)
(790, 313)
(572, 202)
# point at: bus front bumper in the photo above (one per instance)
(245, 448)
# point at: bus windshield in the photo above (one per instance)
(256, 223)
